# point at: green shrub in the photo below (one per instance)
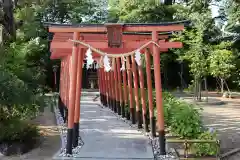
(16, 130)
(206, 149)
(186, 121)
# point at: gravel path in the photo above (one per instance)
(50, 142)
(225, 119)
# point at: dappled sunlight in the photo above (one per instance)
(130, 131)
(90, 112)
(49, 130)
(93, 120)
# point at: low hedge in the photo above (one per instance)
(184, 120)
(17, 136)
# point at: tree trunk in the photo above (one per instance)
(195, 88)
(222, 85)
(206, 88)
(9, 23)
(199, 98)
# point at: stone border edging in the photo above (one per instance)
(63, 135)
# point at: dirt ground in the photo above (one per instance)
(224, 118)
(50, 140)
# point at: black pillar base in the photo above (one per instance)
(110, 103)
(153, 126)
(112, 106)
(105, 100)
(162, 142)
(132, 114)
(123, 109)
(128, 115)
(101, 98)
(75, 134)
(139, 119)
(146, 123)
(66, 114)
(69, 141)
(115, 106)
(61, 106)
(119, 107)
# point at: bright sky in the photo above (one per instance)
(214, 11)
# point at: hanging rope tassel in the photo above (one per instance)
(123, 68)
(138, 57)
(89, 58)
(106, 62)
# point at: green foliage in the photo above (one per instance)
(186, 122)
(15, 130)
(206, 149)
(141, 11)
(221, 61)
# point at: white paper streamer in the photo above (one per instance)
(89, 58)
(138, 57)
(106, 63)
(123, 68)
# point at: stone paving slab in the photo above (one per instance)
(106, 137)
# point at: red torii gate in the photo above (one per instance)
(114, 39)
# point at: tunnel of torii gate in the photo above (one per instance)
(70, 43)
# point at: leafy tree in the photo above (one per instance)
(141, 11)
(221, 62)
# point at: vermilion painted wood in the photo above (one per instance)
(78, 29)
(64, 50)
(99, 82)
(60, 83)
(102, 79)
(146, 28)
(112, 85)
(62, 37)
(116, 79)
(66, 81)
(79, 87)
(143, 28)
(125, 93)
(158, 84)
(73, 80)
(129, 77)
(135, 78)
(60, 53)
(119, 81)
(143, 97)
(104, 83)
(107, 86)
(103, 45)
(149, 83)
(62, 79)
